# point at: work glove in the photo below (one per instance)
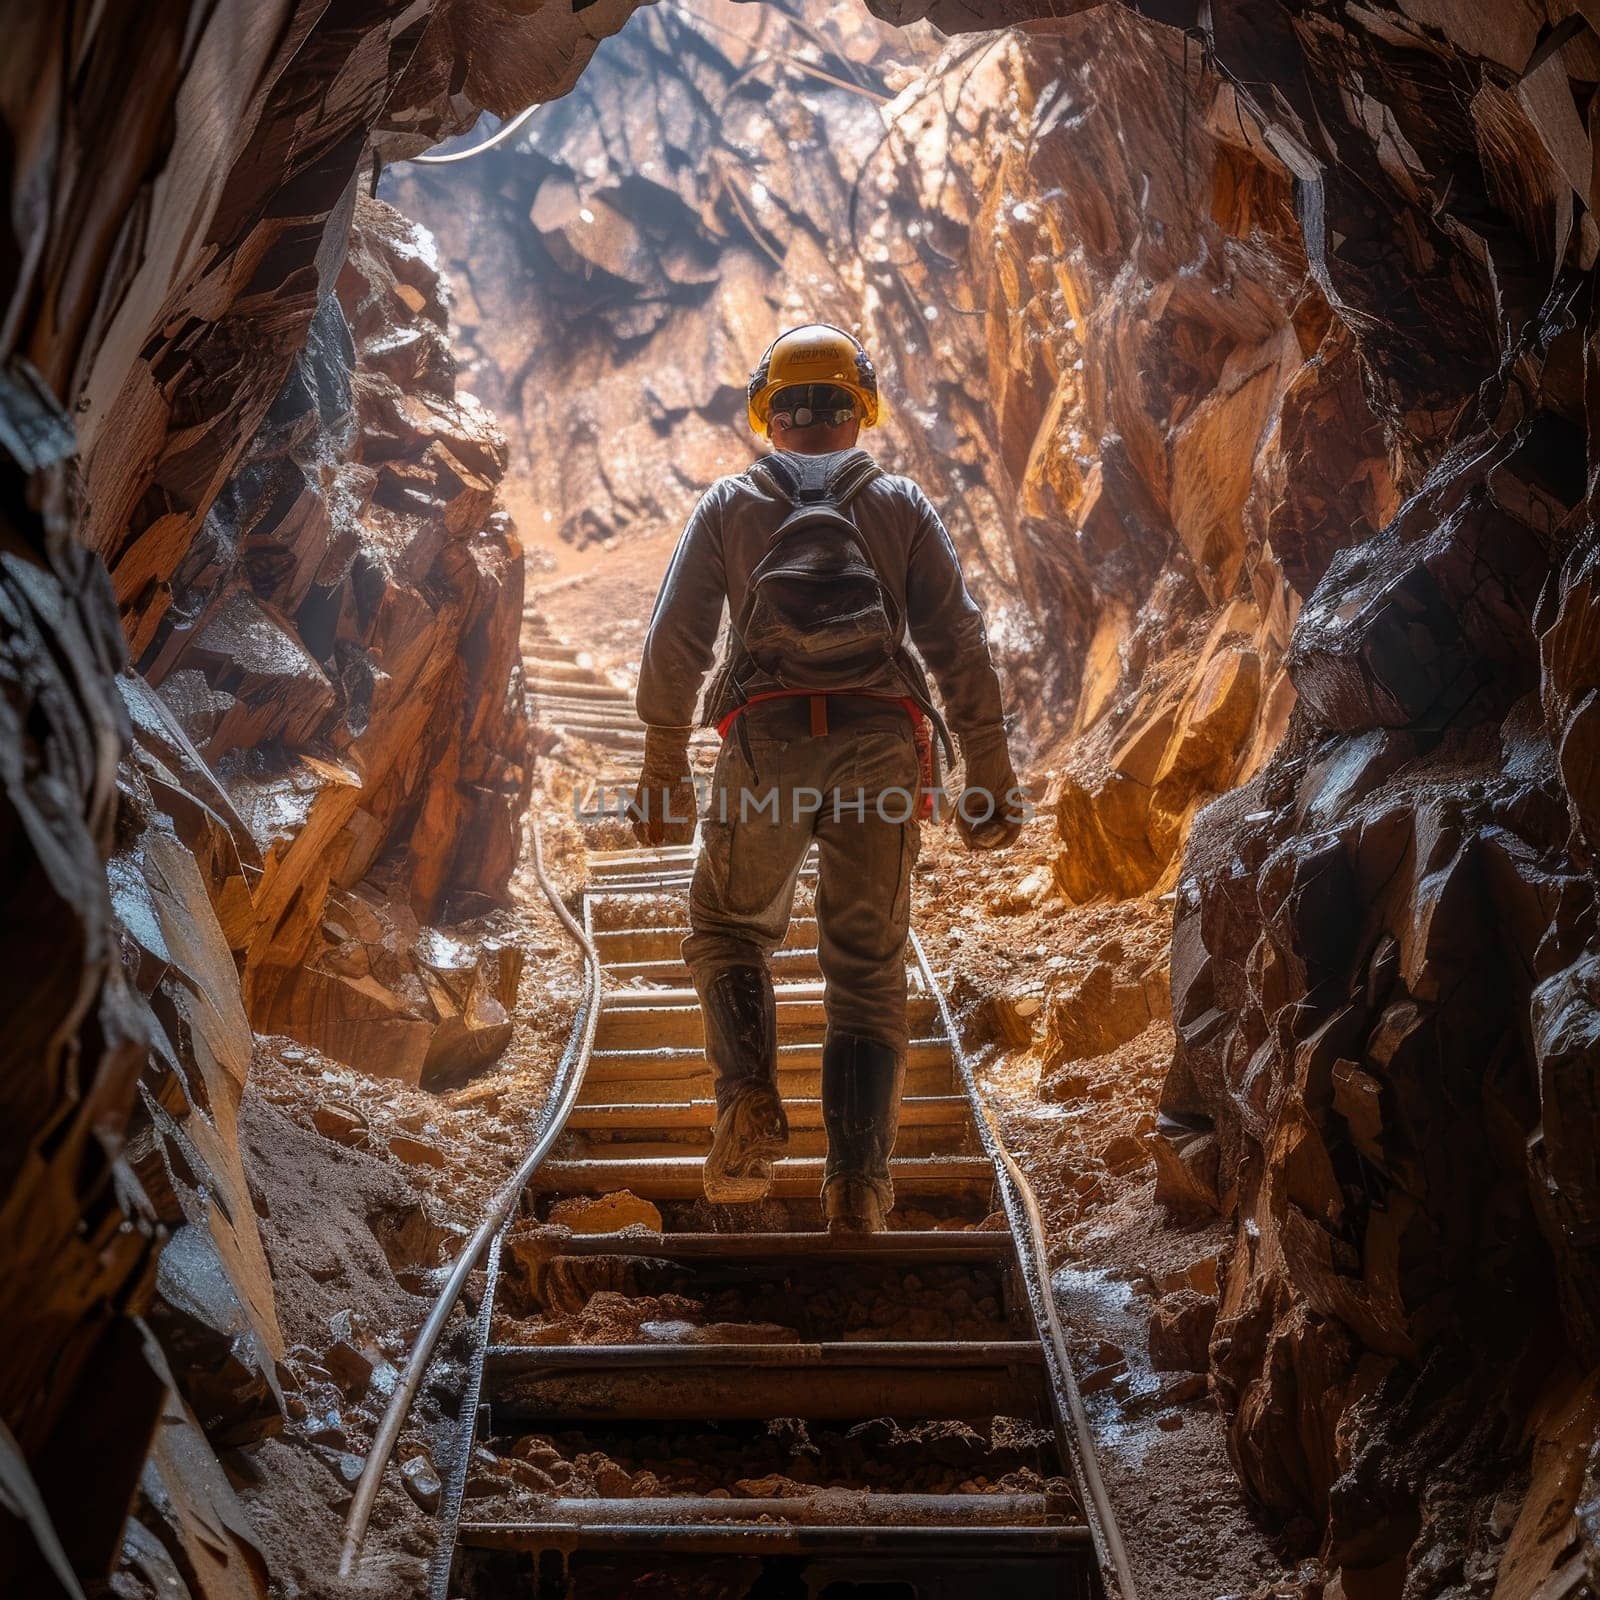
(663, 809)
(992, 807)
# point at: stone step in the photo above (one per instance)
(1021, 1561)
(621, 945)
(587, 705)
(577, 669)
(607, 864)
(846, 1381)
(546, 647)
(794, 1178)
(578, 693)
(836, 1508)
(604, 738)
(688, 1061)
(930, 1125)
(914, 1143)
(916, 1111)
(634, 1019)
(785, 964)
(801, 991)
(937, 1078)
(896, 1246)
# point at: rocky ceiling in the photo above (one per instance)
(1276, 324)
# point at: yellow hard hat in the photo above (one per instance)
(816, 353)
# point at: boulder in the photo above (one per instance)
(393, 998)
(1095, 1011)
(1014, 1018)
(607, 1213)
(1180, 1332)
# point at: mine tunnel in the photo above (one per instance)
(368, 370)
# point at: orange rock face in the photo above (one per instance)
(329, 747)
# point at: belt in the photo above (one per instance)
(921, 727)
(818, 705)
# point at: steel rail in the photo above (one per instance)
(1023, 1208)
(569, 1079)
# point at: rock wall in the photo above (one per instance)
(1333, 344)
(1381, 944)
(173, 240)
(329, 747)
(341, 648)
(1292, 362)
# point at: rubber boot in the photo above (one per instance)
(741, 1016)
(861, 1082)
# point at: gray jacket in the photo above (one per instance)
(727, 535)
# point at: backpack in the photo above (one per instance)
(817, 614)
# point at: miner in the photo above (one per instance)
(825, 565)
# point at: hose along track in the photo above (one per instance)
(892, 1415)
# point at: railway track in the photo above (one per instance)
(726, 1400)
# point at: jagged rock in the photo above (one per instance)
(416, 1152)
(186, 1501)
(395, 999)
(405, 596)
(185, 1140)
(1180, 1333)
(219, 1358)
(422, 1482)
(78, 1244)
(1187, 1169)
(167, 302)
(1365, 969)
(1422, 625)
(393, 591)
(1565, 1013)
(1104, 817)
(607, 1213)
(254, 663)
(185, 790)
(1125, 1153)
(1095, 1012)
(1029, 891)
(1123, 814)
(340, 1124)
(1013, 1017)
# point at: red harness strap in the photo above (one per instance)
(921, 729)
